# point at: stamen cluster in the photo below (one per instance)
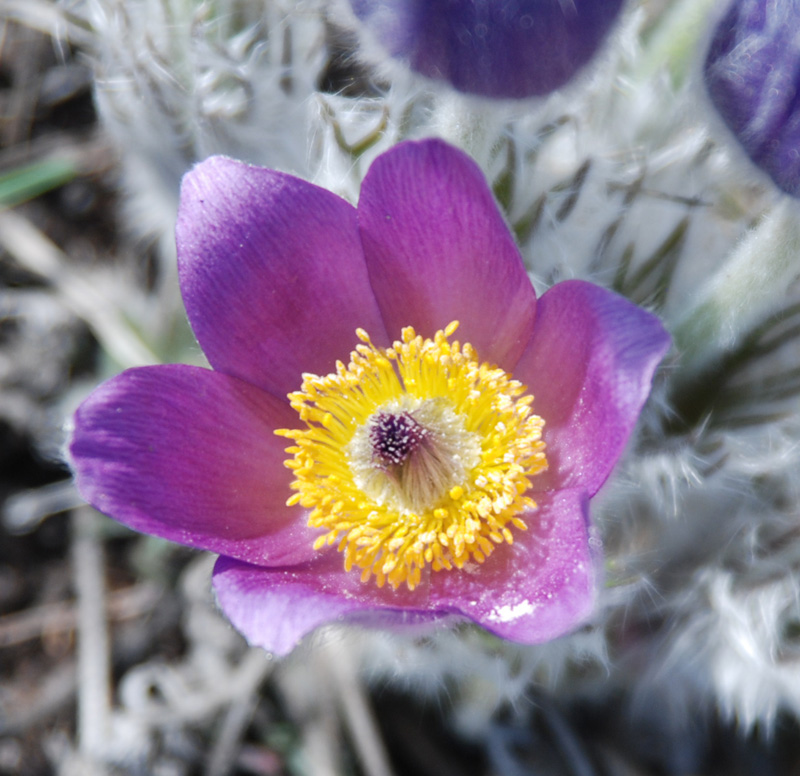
(415, 455)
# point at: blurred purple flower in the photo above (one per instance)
(752, 73)
(421, 463)
(493, 48)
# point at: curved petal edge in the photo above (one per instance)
(589, 365)
(272, 273)
(190, 455)
(438, 250)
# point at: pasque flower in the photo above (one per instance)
(752, 73)
(493, 48)
(347, 456)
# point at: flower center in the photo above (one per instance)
(414, 455)
(411, 452)
(395, 437)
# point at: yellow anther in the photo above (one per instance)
(456, 492)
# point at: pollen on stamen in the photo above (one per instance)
(415, 457)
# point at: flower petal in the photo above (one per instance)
(752, 73)
(438, 250)
(491, 48)
(272, 273)
(275, 608)
(190, 455)
(548, 570)
(536, 589)
(589, 366)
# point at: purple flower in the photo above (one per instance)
(408, 480)
(493, 48)
(752, 73)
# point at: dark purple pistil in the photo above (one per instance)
(395, 437)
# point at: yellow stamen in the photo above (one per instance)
(414, 455)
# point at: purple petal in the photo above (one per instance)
(752, 73)
(536, 589)
(589, 366)
(494, 48)
(272, 273)
(438, 250)
(190, 455)
(275, 608)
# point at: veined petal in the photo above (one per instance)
(190, 455)
(589, 366)
(493, 48)
(272, 273)
(538, 588)
(275, 608)
(438, 250)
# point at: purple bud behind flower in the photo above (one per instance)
(752, 73)
(492, 48)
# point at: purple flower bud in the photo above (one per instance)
(752, 72)
(493, 48)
